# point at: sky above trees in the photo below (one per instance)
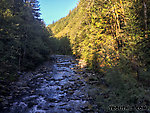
(53, 10)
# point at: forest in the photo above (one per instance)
(109, 37)
(24, 40)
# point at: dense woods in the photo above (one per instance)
(107, 31)
(111, 37)
(24, 40)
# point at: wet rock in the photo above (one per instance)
(42, 95)
(62, 89)
(56, 82)
(39, 107)
(82, 96)
(40, 111)
(22, 105)
(63, 104)
(52, 99)
(57, 101)
(70, 92)
(68, 109)
(80, 82)
(88, 110)
(57, 89)
(30, 98)
(75, 98)
(51, 105)
(31, 104)
(62, 96)
(5, 103)
(65, 76)
(93, 82)
(78, 78)
(71, 79)
(32, 91)
(9, 97)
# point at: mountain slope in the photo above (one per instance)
(112, 37)
(102, 31)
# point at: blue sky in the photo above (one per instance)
(53, 10)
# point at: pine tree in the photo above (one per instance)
(24, 39)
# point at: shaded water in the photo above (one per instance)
(56, 88)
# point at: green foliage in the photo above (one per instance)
(60, 46)
(128, 92)
(105, 33)
(119, 89)
(24, 40)
(112, 35)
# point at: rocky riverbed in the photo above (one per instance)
(55, 87)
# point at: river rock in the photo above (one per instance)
(56, 88)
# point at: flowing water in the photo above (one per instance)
(55, 88)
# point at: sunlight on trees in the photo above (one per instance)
(111, 37)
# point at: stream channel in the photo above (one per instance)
(58, 87)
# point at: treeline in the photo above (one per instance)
(60, 46)
(108, 33)
(112, 37)
(24, 39)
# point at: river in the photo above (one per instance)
(57, 87)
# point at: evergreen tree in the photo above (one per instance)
(113, 30)
(23, 37)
